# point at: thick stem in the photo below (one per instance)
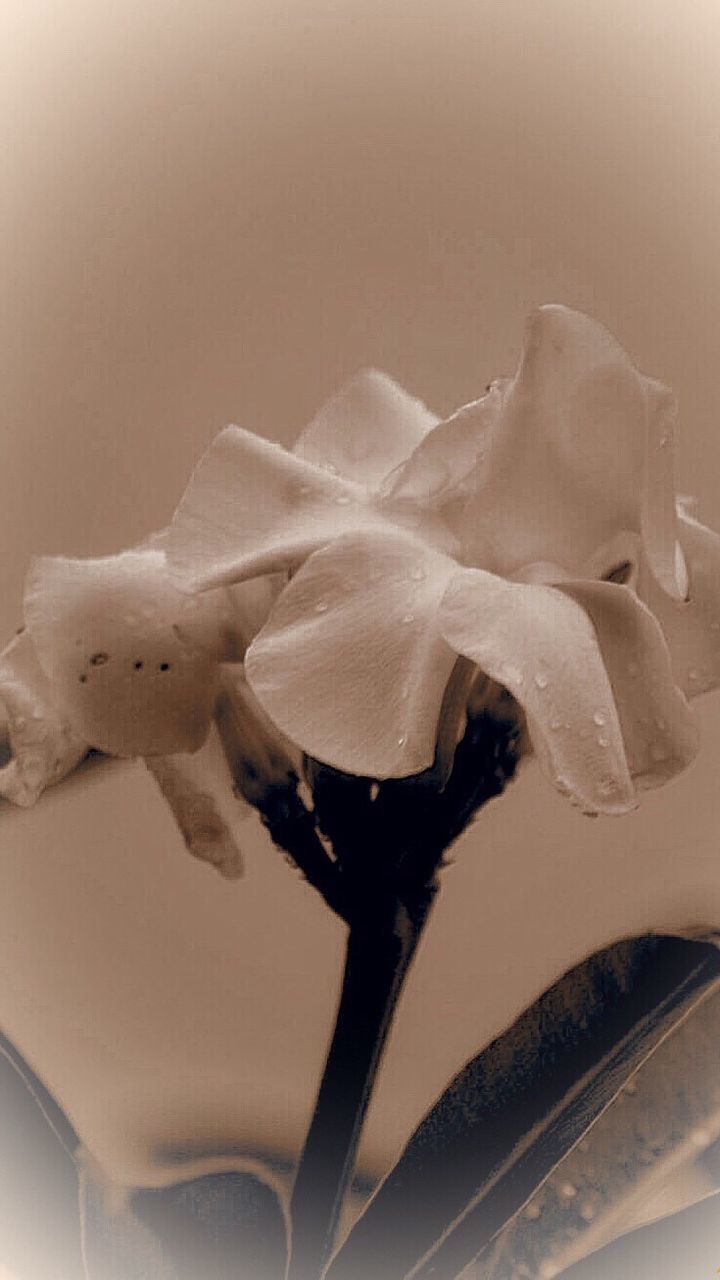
(380, 950)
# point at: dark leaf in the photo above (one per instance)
(513, 1112)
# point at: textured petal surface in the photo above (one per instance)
(352, 665)
(366, 429)
(186, 781)
(43, 744)
(253, 508)
(659, 733)
(105, 633)
(542, 646)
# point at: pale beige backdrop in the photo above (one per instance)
(215, 212)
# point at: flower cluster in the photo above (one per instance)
(534, 534)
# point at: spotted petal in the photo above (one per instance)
(542, 646)
(369, 426)
(351, 664)
(43, 745)
(106, 635)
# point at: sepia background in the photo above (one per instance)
(215, 213)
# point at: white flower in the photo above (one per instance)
(535, 532)
(115, 657)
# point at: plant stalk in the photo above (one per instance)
(380, 949)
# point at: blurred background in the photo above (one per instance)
(215, 213)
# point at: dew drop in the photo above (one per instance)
(330, 466)
(599, 718)
(402, 740)
(556, 724)
(700, 1138)
(321, 606)
(405, 692)
(664, 441)
(603, 742)
(568, 1191)
(408, 617)
(374, 791)
(541, 680)
(533, 1212)
(305, 489)
(587, 1212)
(630, 1087)
(548, 1271)
(692, 674)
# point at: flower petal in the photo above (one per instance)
(369, 426)
(542, 646)
(582, 449)
(440, 467)
(692, 626)
(659, 733)
(253, 508)
(44, 746)
(185, 781)
(105, 632)
(351, 664)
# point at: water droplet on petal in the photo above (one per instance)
(402, 740)
(587, 1212)
(630, 1087)
(541, 680)
(692, 674)
(664, 441)
(330, 466)
(305, 489)
(321, 606)
(568, 1191)
(599, 718)
(408, 617)
(603, 742)
(556, 724)
(533, 1212)
(405, 691)
(548, 1271)
(374, 791)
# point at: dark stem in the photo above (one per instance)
(380, 949)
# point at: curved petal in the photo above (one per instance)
(659, 733)
(449, 456)
(351, 664)
(582, 449)
(105, 632)
(542, 646)
(185, 781)
(44, 746)
(366, 429)
(692, 626)
(253, 508)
